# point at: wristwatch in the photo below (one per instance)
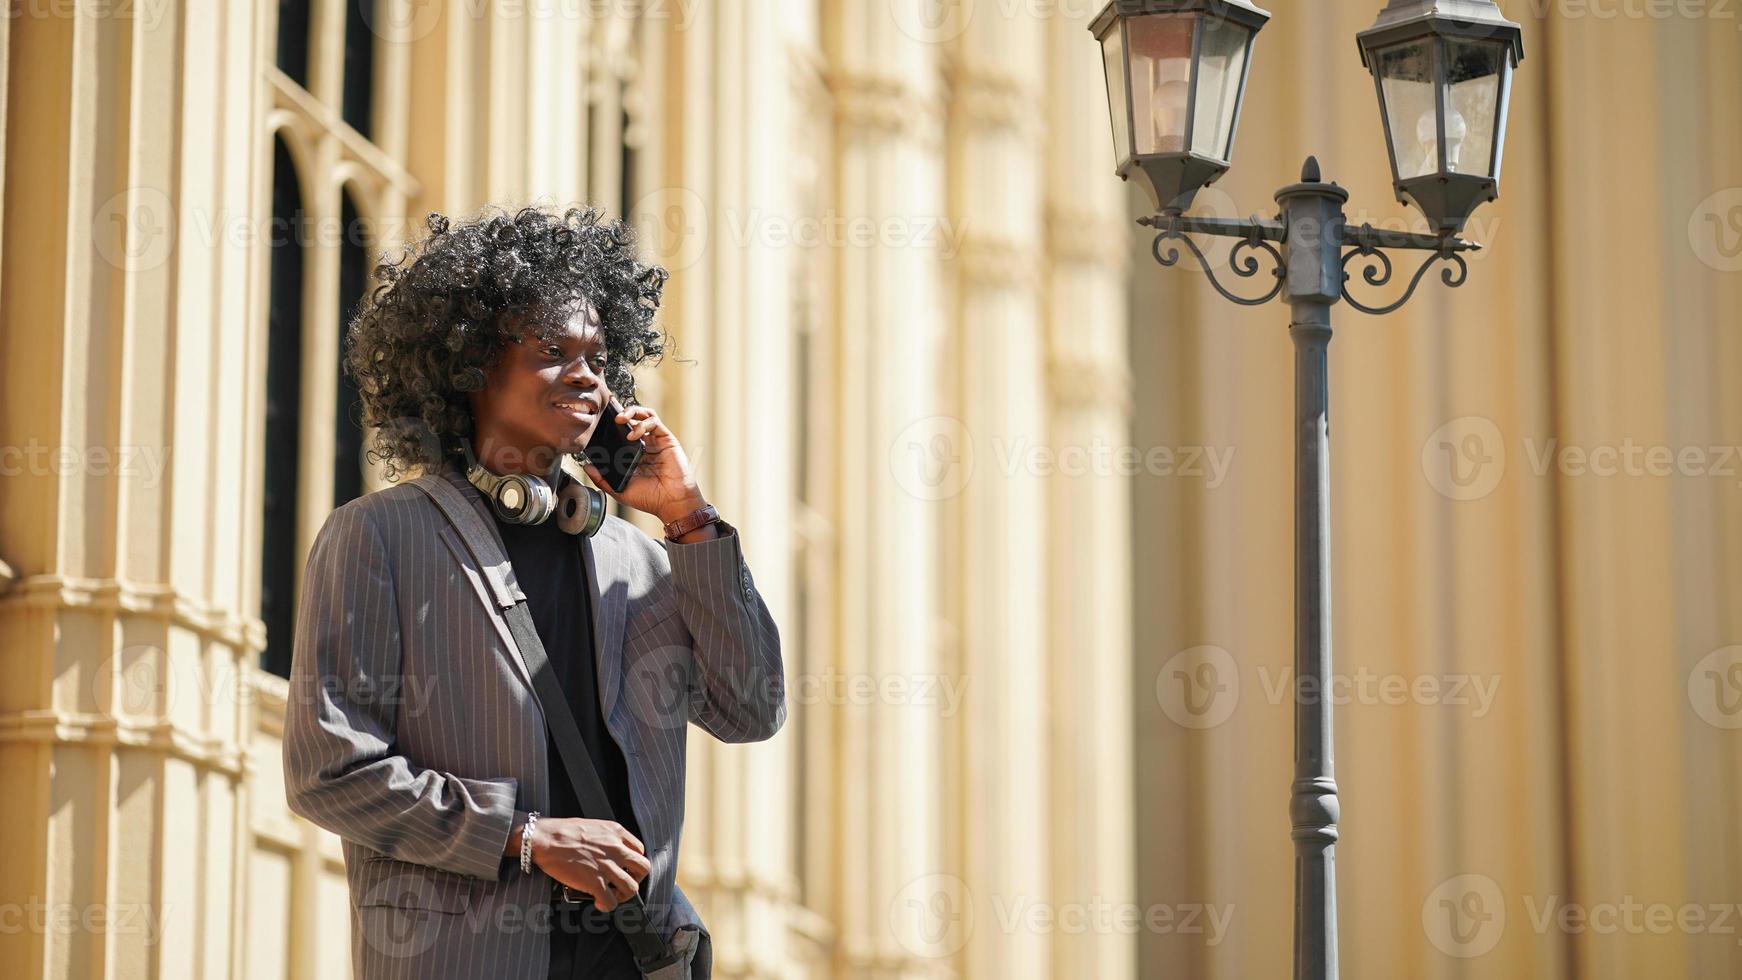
(689, 522)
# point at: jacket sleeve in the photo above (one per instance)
(341, 768)
(738, 688)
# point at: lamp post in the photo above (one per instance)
(1176, 76)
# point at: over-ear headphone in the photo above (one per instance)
(526, 498)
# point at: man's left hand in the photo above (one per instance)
(663, 483)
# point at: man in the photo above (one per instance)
(412, 730)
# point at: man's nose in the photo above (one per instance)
(581, 375)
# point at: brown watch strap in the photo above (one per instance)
(689, 522)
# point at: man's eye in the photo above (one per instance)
(556, 352)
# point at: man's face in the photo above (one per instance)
(543, 395)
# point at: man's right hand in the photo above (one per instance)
(599, 857)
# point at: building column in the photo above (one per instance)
(1089, 511)
(121, 704)
(889, 324)
(999, 529)
(708, 181)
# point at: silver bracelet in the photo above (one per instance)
(526, 842)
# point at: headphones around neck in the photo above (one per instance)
(526, 498)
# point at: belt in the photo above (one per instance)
(564, 895)
(650, 953)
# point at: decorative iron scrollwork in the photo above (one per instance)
(1377, 272)
(1241, 259)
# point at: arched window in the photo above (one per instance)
(354, 251)
(293, 29)
(359, 85)
(278, 546)
(333, 186)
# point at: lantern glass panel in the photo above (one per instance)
(1406, 81)
(1161, 77)
(1473, 75)
(1113, 53)
(1221, 67)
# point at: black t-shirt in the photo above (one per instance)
(552, 572)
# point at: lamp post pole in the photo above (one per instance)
(1313, 282)
(1311, 246)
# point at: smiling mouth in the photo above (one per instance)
(578, 407)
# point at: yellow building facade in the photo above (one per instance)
(849, 197)
(914, 326)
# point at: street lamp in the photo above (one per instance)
(1443, 69)
(1176, 73)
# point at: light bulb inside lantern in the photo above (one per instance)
(1427, 134)
(1456, 130)
(1168, 116)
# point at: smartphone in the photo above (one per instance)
(610, 449)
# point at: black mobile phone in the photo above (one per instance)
(610, 449)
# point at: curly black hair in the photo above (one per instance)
(426, 334)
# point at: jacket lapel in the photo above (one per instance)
(605, 584)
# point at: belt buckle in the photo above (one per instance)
(570, 895)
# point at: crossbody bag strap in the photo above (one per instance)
(630, 915)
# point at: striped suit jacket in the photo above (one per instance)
(413, 733)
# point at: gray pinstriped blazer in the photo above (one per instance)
(412, 731)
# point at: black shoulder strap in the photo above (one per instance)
(630, 915)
